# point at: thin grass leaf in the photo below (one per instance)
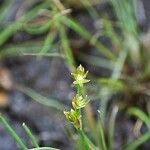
(119, 64)
(44, 148)
(5, 9)
(66, 48)
(111, 127)
(96, 61)
(45, 55)
(141, 115)
(13, 134)
(112, 84)
(12, 50)
(53, 103)
(105, 91)
(125, 11)
(110, 32)
(48, 42)
(30, 135)
(141, 140)
(101, 133)
(34, 12)
(14, 27)
(78, 28)
(9, 31)
(38, 29)
(92, 11)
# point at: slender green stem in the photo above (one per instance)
(79, 90)
(13, 133)
(87, 143)
(30, 135)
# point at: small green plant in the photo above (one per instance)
(103, 140)
(74, 116)
(129, 63)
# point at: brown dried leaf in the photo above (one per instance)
(5, 78)
(3, 99)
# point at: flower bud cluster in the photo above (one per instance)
(79, 101)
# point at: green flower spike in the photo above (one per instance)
(74, 117)
(79, 102)
(80, 76)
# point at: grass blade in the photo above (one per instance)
(141, 140)
(74, 25)
(44, 148)
(112, 126)
(66, 47)
(30, 135)
(53, 103)
(45, 54)
(101, 132)
(141, 115)
(13, 133)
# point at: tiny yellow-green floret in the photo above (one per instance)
(79, 102)
(80, 76)
(74, 117)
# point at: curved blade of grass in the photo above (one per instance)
(53, 103)
(12, 50)
(92, 11)
(45, 54)
(38, 30)
(30, 135)
(9, 31)
(66, 47)
(48, 42)
(44, 148)
(141, 140)
(35, 11)
(105, 92)
(96, 61)
(141, 115)
(78, 28)
(5, 9)
(111, 127)
(119, 64)
(15, 26)
(101, 132)
(13, 134)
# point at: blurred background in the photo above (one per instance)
(41, 43)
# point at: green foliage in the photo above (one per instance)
(53, 103)
(18, 140)
(30, 135)
(13, 133)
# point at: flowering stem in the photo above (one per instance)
(80, 93)
(79, 90)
